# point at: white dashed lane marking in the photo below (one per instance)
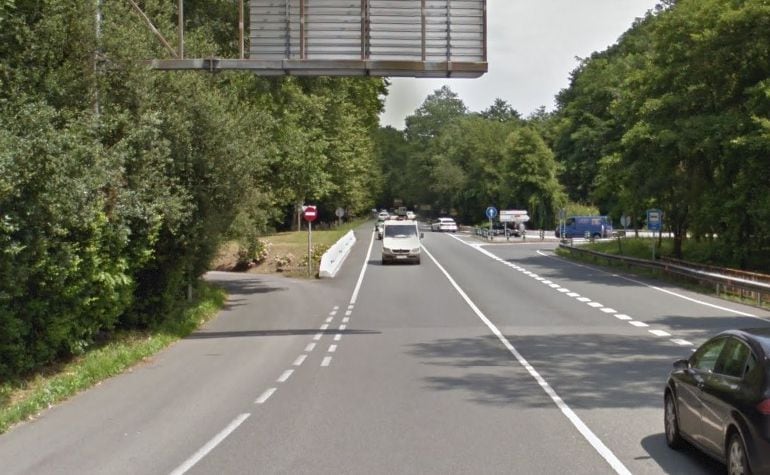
(265, 396)
(326, 361)
(286, 375)
(345, 320)
(332, 348)
(300, 359)
(329, 320)
(318, 336)
(337, 337)
(310, 347)
(681, 342)
(586, 300)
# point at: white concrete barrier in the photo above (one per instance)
(332, 260)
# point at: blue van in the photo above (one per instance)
(596, 226)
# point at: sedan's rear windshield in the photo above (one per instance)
(400, 230)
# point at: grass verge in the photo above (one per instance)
(288, 250)
(22, 400)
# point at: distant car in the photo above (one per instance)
(401, 242)
(383, 215)
(410, 215)
(719, 400)
(509, 229)
(444, 224)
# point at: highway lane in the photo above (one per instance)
(296, 377)
(610, 371)
(398, 399)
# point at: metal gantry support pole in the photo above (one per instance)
(181, 29)
(97, 59)
(241, 30)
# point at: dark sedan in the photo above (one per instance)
(719, 400)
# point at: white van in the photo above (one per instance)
(401, 242)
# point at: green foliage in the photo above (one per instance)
(117, 184)
(675, 117)
(460, 163)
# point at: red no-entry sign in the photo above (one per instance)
(310, 213)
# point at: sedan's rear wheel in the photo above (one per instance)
(737, 462)
(671, 423)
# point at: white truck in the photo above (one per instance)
(401, 241)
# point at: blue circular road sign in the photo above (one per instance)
(491, 212)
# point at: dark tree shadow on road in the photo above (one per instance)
(589, 370)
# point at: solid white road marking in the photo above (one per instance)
(265, 396)
(332, 348)
(584, 430)
(660, 333)
(300, 359)
(327, 360)
(210, 445)
(363, 271)
(286, 375)
(310, 347)
(621, 316)
(638, 324)
(681, 342)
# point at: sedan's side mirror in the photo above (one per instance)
(681, 364)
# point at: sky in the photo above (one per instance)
(532, 48)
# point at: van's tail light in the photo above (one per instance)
(764, 407)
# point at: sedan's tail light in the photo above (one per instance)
(764, 407)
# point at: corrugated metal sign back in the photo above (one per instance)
(376, 30)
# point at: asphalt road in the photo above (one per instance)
(486, 359)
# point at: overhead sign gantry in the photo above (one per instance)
(407, 38)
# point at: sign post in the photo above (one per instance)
(491, 213)
(310, 214)
(516, 216)
(339, 212)
(654, 223)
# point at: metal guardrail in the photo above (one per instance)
(758, 292)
